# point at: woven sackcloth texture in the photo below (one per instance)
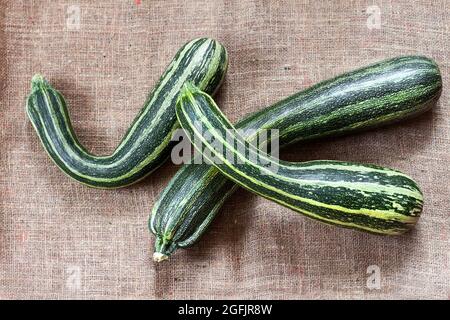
(60, 239)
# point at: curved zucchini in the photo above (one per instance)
(147, 143)
(373, 96)
(364, 197)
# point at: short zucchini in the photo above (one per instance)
(364, 197)
(373, 96)
(147, 143)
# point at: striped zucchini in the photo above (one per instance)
(147, 143)
(364, 197)
(382, 93)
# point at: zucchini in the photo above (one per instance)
(147, 143)
(376, 95)
(364, 197)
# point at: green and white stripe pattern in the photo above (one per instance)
(373, 96)
(147, 143)
(364, 197)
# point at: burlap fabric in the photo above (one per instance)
(60, 239)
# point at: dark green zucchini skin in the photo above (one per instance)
(359, 196)
(147, 143)
(373, 96)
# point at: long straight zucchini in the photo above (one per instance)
(147, 143)
(382, 93)
(364, 197)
